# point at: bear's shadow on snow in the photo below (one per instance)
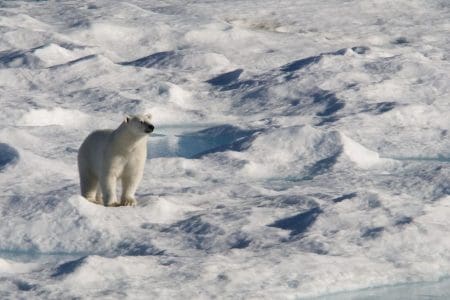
(8, 156)
(199, 143)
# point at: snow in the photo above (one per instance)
(55, 116)
(301, 149)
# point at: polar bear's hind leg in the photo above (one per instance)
(88, 184)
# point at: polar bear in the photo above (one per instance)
(106, 156)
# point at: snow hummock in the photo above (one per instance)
(53, 54)
(361, 156)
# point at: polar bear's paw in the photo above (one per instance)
(128, 201)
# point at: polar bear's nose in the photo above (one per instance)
(149, 128)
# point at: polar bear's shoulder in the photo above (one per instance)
(99, 134)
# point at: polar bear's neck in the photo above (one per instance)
(126, 138)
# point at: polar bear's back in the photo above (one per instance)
(92, 149)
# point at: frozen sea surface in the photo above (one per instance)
(301, 149)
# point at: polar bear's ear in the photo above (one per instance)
(127, 119)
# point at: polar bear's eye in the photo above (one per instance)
(142, 122)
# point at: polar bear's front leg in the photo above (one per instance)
(131, 177)
(108, 184)
(128, 190)
(129, 187)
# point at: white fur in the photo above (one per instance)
(110, 155)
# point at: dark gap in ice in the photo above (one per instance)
(199, 143)
(24, 286)
(403, 221)
(223, 277)
(71, 46)
(225, 78)
(299, 223)
(159, 58)
(8, 156)
(372, 233)
(344, 197)
(360, 49)
(327, 120)
(379, 108)
(75, 61)
(295, 102)
(68, 267)
(400, 41)
(439, 158)
(32, 253)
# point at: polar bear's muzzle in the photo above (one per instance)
(149, 128)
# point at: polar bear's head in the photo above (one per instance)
(139, 124)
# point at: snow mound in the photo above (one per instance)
(55, 116)
(60, 223)
(180, 59)
(301, 150)
(54, 54)
(305, 151)
(361, 156)
(12, 267)
(158, 211)
(176, 94)
(121, 42)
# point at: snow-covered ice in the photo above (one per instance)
(301, 149)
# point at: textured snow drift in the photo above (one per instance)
(301, 149)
